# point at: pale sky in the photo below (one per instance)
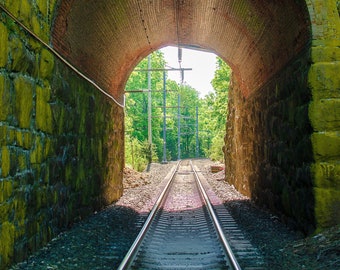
(203, 66)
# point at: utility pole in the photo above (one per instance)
(149, 110)
(197, 142)
(164, 99)
(179, 106)
(164, 118)
(179, 127)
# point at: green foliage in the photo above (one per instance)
(136, 153)
(136, 112)
(189, 101)
(213, 120)
(212, 116)
(137, 116)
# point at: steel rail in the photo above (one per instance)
(131, 254)
(226, 246)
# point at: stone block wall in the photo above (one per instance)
(60, 139)
(268, 151)
(324, 110)
(283, 143)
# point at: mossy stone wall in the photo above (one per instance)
(268, 151)
(324, 110)
(283, 144)
(60, 138)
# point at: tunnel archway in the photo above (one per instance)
(262, 41)
(106, 39)
(62, 141)
(270, 144)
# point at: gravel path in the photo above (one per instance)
(282, 247)
(101, 241)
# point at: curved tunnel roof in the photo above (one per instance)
(106, 39)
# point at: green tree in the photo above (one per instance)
(136, 109)
(212, 111)
(136, 113)
(189, 101)
(214, 106)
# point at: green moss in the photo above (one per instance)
(68, 174)
(22, 161)
(324, 80)
(23, 101)
(100, 151)
(25, 11)
(325, 54)
(327, 207)
(46, 64)
(7, 189)
(3, 45)
(36, 28)
(62, 122)
(43, 7)
(1, 200)
(36, 155)
(55, 196)
(13, 6)
(7, 231)
(37, 197)
(52, 5)
(43, 109)
(11, 136)
(80, 179)
(41, 28)
(21, 60)
(326, 175)
(5, 161)
(3, 135)
(46, 9)
(324, 114)
(5, 105)
(27, 140)
(48, 147)
(5, 210)
(326, 145)
(82, 120)
(80, 147)
(19, 206)
(19, 139)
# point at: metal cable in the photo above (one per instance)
(143, 23)
(53, 51)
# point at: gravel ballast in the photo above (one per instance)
(101, 240)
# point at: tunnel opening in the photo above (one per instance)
(281, 148)
(270, 61)
(192, 121)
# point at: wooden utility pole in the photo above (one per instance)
(149, 69)
(149, 111)
(164, 118)
(197, 141)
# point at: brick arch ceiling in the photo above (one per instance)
(105, 39)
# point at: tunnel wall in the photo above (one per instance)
(282, 146)
(268, 147)
(324, 110)
(61, 141)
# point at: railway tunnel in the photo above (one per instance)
(62, 140)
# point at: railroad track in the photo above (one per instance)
(182, 230)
